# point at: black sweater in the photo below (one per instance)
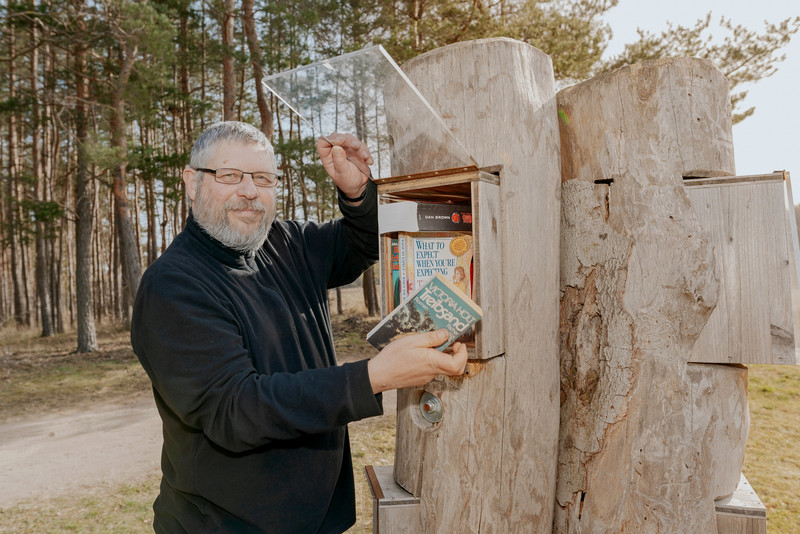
(240, 352)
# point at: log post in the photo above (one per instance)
(490, 464)
(647, 441)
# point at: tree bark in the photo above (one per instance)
(40, 192)
(12, 220)
(128, 246)
(228, 67)
(84, 200)
(638, 285)
(262, 99)
(370, 292)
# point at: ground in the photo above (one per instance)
(70, 450)
(80, 437)
(76, 428)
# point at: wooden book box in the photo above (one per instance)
(481, 191)
(750, 222)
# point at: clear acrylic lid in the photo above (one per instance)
(367, 94)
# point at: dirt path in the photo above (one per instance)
(84, 448)
(79, 448)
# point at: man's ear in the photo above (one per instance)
(190, 182)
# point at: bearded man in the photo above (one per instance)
(231, 324)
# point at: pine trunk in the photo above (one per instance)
(40, 193)
(84, 203)
(12, 220)
(638, 285)
(228, 67)
(264, 108)
(370, 292)
(129, 250)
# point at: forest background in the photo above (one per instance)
(101, 101)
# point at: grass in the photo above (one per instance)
(772, 457)
(41, 375)
(124, 509)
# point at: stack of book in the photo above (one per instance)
(428, 239)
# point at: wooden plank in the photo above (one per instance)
(374, 485)
(487, 284)
(431, 187)
(733, 524)
(751, 233)
(424, 175)
(741, 513)
(794, 267)
(394, 509)
(732, 180)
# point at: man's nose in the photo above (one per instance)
(247, 188)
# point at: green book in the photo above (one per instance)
(436, 304)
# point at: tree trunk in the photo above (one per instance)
(50, 158)
(370, 292)
(264, 108)
(490, 464)
(84, 201)
(12, 220)
(40, 193)
(129, 249)
(185, 88)
(647, 440)
(228, 67)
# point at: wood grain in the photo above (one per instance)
(647, 441)
(490, 465)
(750, 228)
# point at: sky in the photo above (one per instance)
(769, 140)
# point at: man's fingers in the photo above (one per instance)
(340, 164)
(436, 338)
(451, 365)
(352, 145)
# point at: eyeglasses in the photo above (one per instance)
(235, 176)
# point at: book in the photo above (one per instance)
(395, 268)
(403, 267)
(447, 253)
(434, 305)
(408, 216)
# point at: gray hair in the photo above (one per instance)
(227, 131)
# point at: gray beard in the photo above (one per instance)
(217, 225)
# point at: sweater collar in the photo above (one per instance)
(222, 253)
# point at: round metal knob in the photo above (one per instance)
(431, 407)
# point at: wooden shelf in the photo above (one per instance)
(481, 190)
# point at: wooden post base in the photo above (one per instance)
(394, 510)
(741, 513)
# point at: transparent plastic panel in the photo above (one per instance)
(365, 93)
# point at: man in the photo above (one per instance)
(231, 324)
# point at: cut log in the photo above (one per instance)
(647, 441)
(489, 465)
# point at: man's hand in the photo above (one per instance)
(347, 161)
(412, 361)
